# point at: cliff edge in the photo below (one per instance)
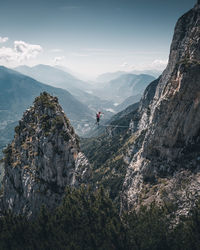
(166, 167)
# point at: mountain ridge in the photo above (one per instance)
(52, 76)
(17, 92)
(59, 78)
(124, 86)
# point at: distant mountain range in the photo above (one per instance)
(106, 77)
(111, 88)
(53, 76)
(155, 73)
(124, 86)
(17, 93)
(58, 77)
(128, 101)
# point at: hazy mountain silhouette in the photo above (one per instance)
(124, 86)
(18, 91)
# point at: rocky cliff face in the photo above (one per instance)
(165, 165)
(42, 160)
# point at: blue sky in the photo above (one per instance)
(88, 36)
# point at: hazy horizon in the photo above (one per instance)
(89, 37)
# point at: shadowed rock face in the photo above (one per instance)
(170, 148)
(43, 158)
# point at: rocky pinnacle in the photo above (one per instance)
(42, 160)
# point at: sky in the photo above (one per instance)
(89, 37)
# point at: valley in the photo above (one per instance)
(128, 179)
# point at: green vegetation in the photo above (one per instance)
(58, 122)
(46, 100)
(106, 153)
(106, 157)
(89, 220)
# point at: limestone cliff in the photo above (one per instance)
(43, 158)
(165, 167)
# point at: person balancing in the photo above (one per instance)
(98, 116)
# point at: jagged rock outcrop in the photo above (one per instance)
(42, 160)
(165, 166)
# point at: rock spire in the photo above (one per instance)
(42, 160)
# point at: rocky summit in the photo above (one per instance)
(42, 160)
(165, 167)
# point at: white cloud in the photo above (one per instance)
(58, 59)
(20, 52)
(3, 39)
(6, 54)
(26, 51)
(159, 63)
